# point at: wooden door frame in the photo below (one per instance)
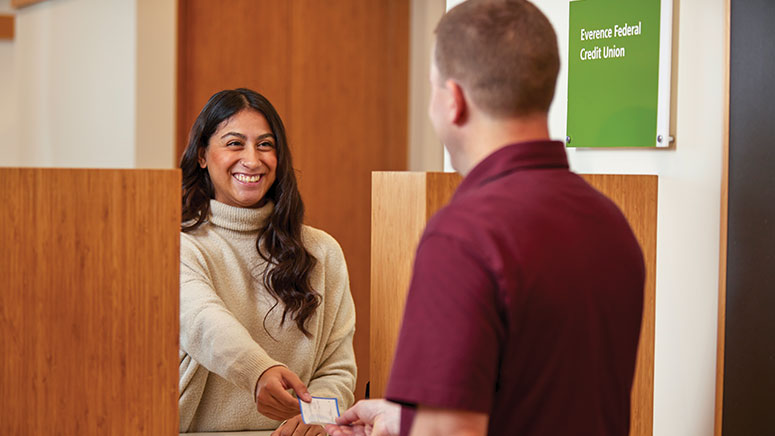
(724, 223)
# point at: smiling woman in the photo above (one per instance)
(241, 159)
(265, 300)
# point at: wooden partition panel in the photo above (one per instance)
(89, 301)
(338, 73)
(402, 203)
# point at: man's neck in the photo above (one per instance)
(489, 135)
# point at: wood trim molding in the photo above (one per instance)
(22, 3)
(7, 26)
(722, 291)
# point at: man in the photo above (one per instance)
(525, 304)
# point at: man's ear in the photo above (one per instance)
(458, 105)
(201, 158)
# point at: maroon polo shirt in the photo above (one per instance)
(525, 302)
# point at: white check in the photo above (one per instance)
(320, 411)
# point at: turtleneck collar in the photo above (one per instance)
(241, 219)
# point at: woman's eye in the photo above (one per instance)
(233, 143)
(266, 144)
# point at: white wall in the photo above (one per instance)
(688, 211)
(75, 82)
(92, 84)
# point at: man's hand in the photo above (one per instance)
(296, 427)
(368, 418)
(272, 398)
(429, 421)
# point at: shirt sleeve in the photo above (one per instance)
(336, 372)
(448, 348)
(209, 332)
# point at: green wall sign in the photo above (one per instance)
(613, 74)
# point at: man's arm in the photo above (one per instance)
(430, 421)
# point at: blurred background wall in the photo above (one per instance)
(88, 83)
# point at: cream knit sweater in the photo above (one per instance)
(224, 310)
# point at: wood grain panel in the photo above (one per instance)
(348, 117)
(636, 196)
(403, 201)
(398, 217)
(6, 26)
(241, 43)
(89, 301)
(439, 190)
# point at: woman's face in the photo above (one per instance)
(241, 158)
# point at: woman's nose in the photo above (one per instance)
(249, 158)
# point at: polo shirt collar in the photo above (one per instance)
(516, 157)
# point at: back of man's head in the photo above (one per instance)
(503, 53)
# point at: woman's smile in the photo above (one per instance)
(248, 179)
(241, 158)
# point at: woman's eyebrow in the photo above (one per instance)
(239, 135)
(244, 138)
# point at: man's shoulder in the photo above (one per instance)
(454, 218)
(475, 209)
(521, 206)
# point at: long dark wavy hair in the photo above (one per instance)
(288, 263)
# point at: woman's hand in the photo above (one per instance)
(272, 398)
(296, 427)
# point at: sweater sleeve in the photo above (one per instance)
(209, 332)
(335, 374)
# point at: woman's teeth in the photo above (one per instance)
(247, 179)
